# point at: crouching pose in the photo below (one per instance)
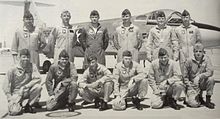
(22, 85)
(96, 84)
(61, 83)
(198, 72)
(165, 80)
(130, 80)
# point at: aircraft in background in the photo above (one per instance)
(210, 34)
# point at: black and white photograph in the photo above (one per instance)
(109, 59)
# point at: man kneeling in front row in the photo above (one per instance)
(22, 85)
(130, 80)
(198, 75)
(165, 80)
(96, 84)
(64, 89)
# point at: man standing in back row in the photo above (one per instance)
(160, 36)
(186, 35)
(29, 37)
(127, 37)
(96, 39)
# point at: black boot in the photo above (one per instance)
(126, 103)
(209, 104)
(104, 106)
(71, 107)
(29, 109)
(136, 101)
(201, 100)
(97, 103)
(173, 104)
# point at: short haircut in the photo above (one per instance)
(185, 13)
(94, 13)
(65, 11)
(198, 46)
(162, 52)
(127, 53)
(91, 57)
(24, 52)
(64, 54)
(125, 12)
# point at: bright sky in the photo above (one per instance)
(205, 11)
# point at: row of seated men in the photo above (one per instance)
(22, 84)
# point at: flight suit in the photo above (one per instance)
(123, 76)
(102, 76)
(187, 37)
(63, 38)
(127, 38)
(16, 78)
(61, 82)
(96, 42)
(34, 42)
(199, 75)
(166, 80)
(161, 38)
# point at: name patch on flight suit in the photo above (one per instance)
(183, 31)
(91, 31)
(25, 35)
(123, 32)
(59, 73)
(64, 31)
(71, 31)
(191, 32)
(131, 29)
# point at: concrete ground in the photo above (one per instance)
(130, 113)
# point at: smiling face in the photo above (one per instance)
(126, 18)
(163, 59)
(63, 61)
(28, 22)
(24, 60)
(65, 16)
(161, 21)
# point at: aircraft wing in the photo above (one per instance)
(21, 3)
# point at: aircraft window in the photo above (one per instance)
(175, 20)
(153, 16)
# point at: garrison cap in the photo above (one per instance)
(185, 13)
(125, 12)
(162, 52)
(127, 53)
(64, 53)
(198, 46)
(94, 13)
(27, 15)
(160, 14)
(24, 52)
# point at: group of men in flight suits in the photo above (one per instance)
(177, 56)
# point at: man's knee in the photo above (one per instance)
(37, 88)
(15, 109)
(73, 85)
(156, 102)
(108, 84)
(211, 80)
